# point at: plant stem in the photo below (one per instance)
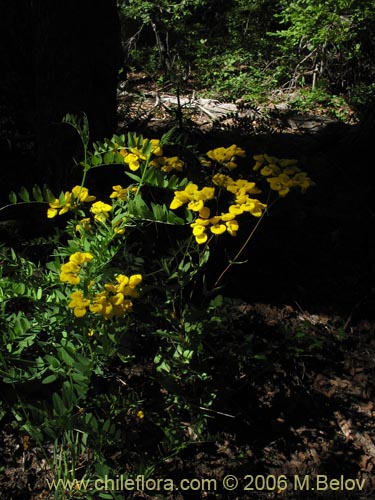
(238, 254)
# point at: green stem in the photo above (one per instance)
(239, 253)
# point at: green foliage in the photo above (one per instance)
(316, 100)
(247, 48)
(332, 37)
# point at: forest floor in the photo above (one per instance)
(304, 407)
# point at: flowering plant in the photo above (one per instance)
(123, 272)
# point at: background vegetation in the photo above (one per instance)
(245, 48)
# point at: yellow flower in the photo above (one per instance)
(206, 193)
(226, 156)
(201, 238)
(281, 184)
(195, 205)
(243, 187)
(57, 207)
(69, 202)
(232, 227)
(191, 194)
(134, 280)
(173, 163)
(302, 180)
(255, 207)
(100, 211)
(101, 305)
(112, 302)
(222, 180)
(204, 213)
(80, 258)
(84, 225)
(205, 163)
(78, 303)
(133, 161)
(180, 198)
(90, 332)
(227, 217)
(82, 194)
(119, 192)
(236, 209)
(117, 299)
(156, 149)
(199, 230)
(267, 170)
(69, 273)
(288, 163)
(140, 415)
(118, 230)
(52, 211)
(218, 228)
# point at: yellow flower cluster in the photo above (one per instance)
(113, 301)
(134, 156)
(100, 211)
(167, 164)
(122, 193)
(70, 201)
(241, 188)
(193, 196)
(84, 225)
(282, 175)
(225, 156)
(217, 224)
(226, 222)
(70, 270)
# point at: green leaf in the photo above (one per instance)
(47, 194)
(134, 177)
(106, 426)
(109, 158)
(50, 379)
(66, 357)
(78, 377)
(24, 194)
(37, 193)
(118, 158)
(58, 405)
(12, 197)
(54, 363)
(96, 160)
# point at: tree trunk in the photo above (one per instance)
(57, 57)
(77, 53)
